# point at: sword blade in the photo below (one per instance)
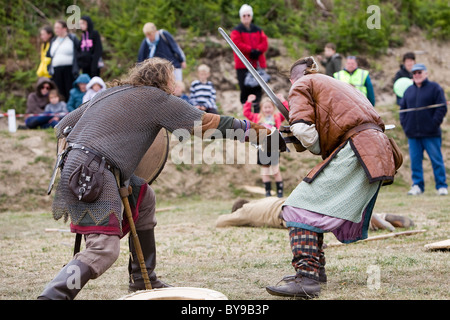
(55, 172)
(422, 108)
(255, 74)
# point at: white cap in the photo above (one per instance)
(245, 9)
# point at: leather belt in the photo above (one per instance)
(361, 127)
(98, 156)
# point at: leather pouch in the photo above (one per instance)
(85, 183)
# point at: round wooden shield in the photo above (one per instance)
(176, 293)
(155, 158)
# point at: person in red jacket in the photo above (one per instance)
(269, 162)
(252, 42)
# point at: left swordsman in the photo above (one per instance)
(110, 135)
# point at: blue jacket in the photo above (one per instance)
(424, 123)
(76, 96)
(166, 48)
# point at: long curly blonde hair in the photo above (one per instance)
(154, 72)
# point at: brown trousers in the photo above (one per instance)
(103, 250)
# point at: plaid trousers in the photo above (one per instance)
(307, 249)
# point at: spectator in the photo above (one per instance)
(46, 35)
(63, 51)
(202, 92)
(409, 59)
(78, 91)
(56, 108)
(90, 50)
(357, 77)
(51, 114)
(180, 88)
(253, 43)
(422, 128)
(332, 61)
(37, 101)
(268, 117)
(152, 46)
(95, 85)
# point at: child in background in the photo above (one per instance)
(203, 94)
(46, 118)
(57, 107)
(179, 91)
(332, 60)
(94, 86)
(78, 91)
(269, 117)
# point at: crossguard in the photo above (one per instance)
(274, 142)
(290, 138)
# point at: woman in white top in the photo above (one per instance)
(64, 68)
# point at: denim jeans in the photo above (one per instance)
(433, 148)
(40, 121)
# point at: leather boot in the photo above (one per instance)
(279, 189)
(322, 276)
(68, 282)
(296, 287)
(147, 242)
(268, 188)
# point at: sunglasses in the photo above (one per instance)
(46, 87)
(246, 15)
(417, 72)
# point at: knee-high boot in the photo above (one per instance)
(305, 249)
(279, 189)
(68, 282)
(268, 188)
(147, 242)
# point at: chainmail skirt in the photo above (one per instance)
(66, 204)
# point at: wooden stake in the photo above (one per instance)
(124, 193)
(137, 244)
(380, 237)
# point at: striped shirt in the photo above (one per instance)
(203, 94)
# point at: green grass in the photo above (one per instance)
(239, 261)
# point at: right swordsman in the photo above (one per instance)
(331, 119)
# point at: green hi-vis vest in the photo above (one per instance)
(357, 79)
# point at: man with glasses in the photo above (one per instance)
(422, 127)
